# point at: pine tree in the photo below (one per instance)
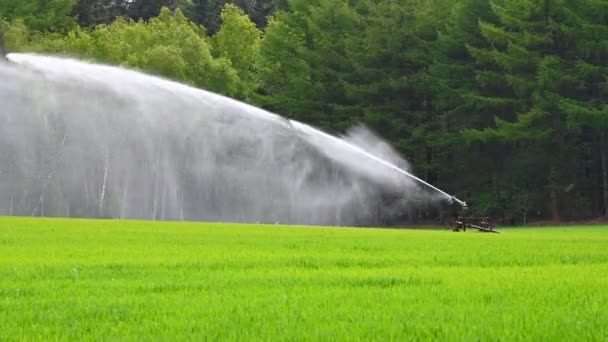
(523, 83)
(304, 57)
(207, 13)
(238, 40)
(470, 100)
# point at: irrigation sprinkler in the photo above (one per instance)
(482, 224)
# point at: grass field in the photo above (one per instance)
(123, 280)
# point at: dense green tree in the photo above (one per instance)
(146, 9)
(481, 72)
(584, 90)
(525, 77)
(456, 94)
(304, 58)
(208, 12)
(95, 12)
(168, 45)
(238, 40)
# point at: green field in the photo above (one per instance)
(128, 280)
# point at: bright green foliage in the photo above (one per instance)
(168, 45)
(129, 280)
(40, 15)
(238, 40)
(15, 35)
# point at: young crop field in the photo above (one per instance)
(131, 280)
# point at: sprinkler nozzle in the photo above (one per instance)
(463, 204)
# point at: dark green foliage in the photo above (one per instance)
(40, 15)
(388, 87)
(529, 72)
(207, 12)
(146, 9)
(95, 12)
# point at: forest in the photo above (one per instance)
(503, 103)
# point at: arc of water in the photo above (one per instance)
(298, 127)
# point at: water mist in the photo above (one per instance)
(85, 140)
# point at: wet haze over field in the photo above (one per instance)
(84, 140)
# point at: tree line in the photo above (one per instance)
(503, 103)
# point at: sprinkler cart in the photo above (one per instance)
(482, 224)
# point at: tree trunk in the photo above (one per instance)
(524, 210)
(102, 194)
(554, 206)
(553, 195)
(604, 178)
(495, 186)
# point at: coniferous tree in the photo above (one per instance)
(208, 12)
(388, 84)
(95, 12)
(585, 92)
(522, 81)
(456, 95)
(304, 59)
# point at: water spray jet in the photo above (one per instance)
(86, 140)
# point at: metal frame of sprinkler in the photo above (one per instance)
(481, 224)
